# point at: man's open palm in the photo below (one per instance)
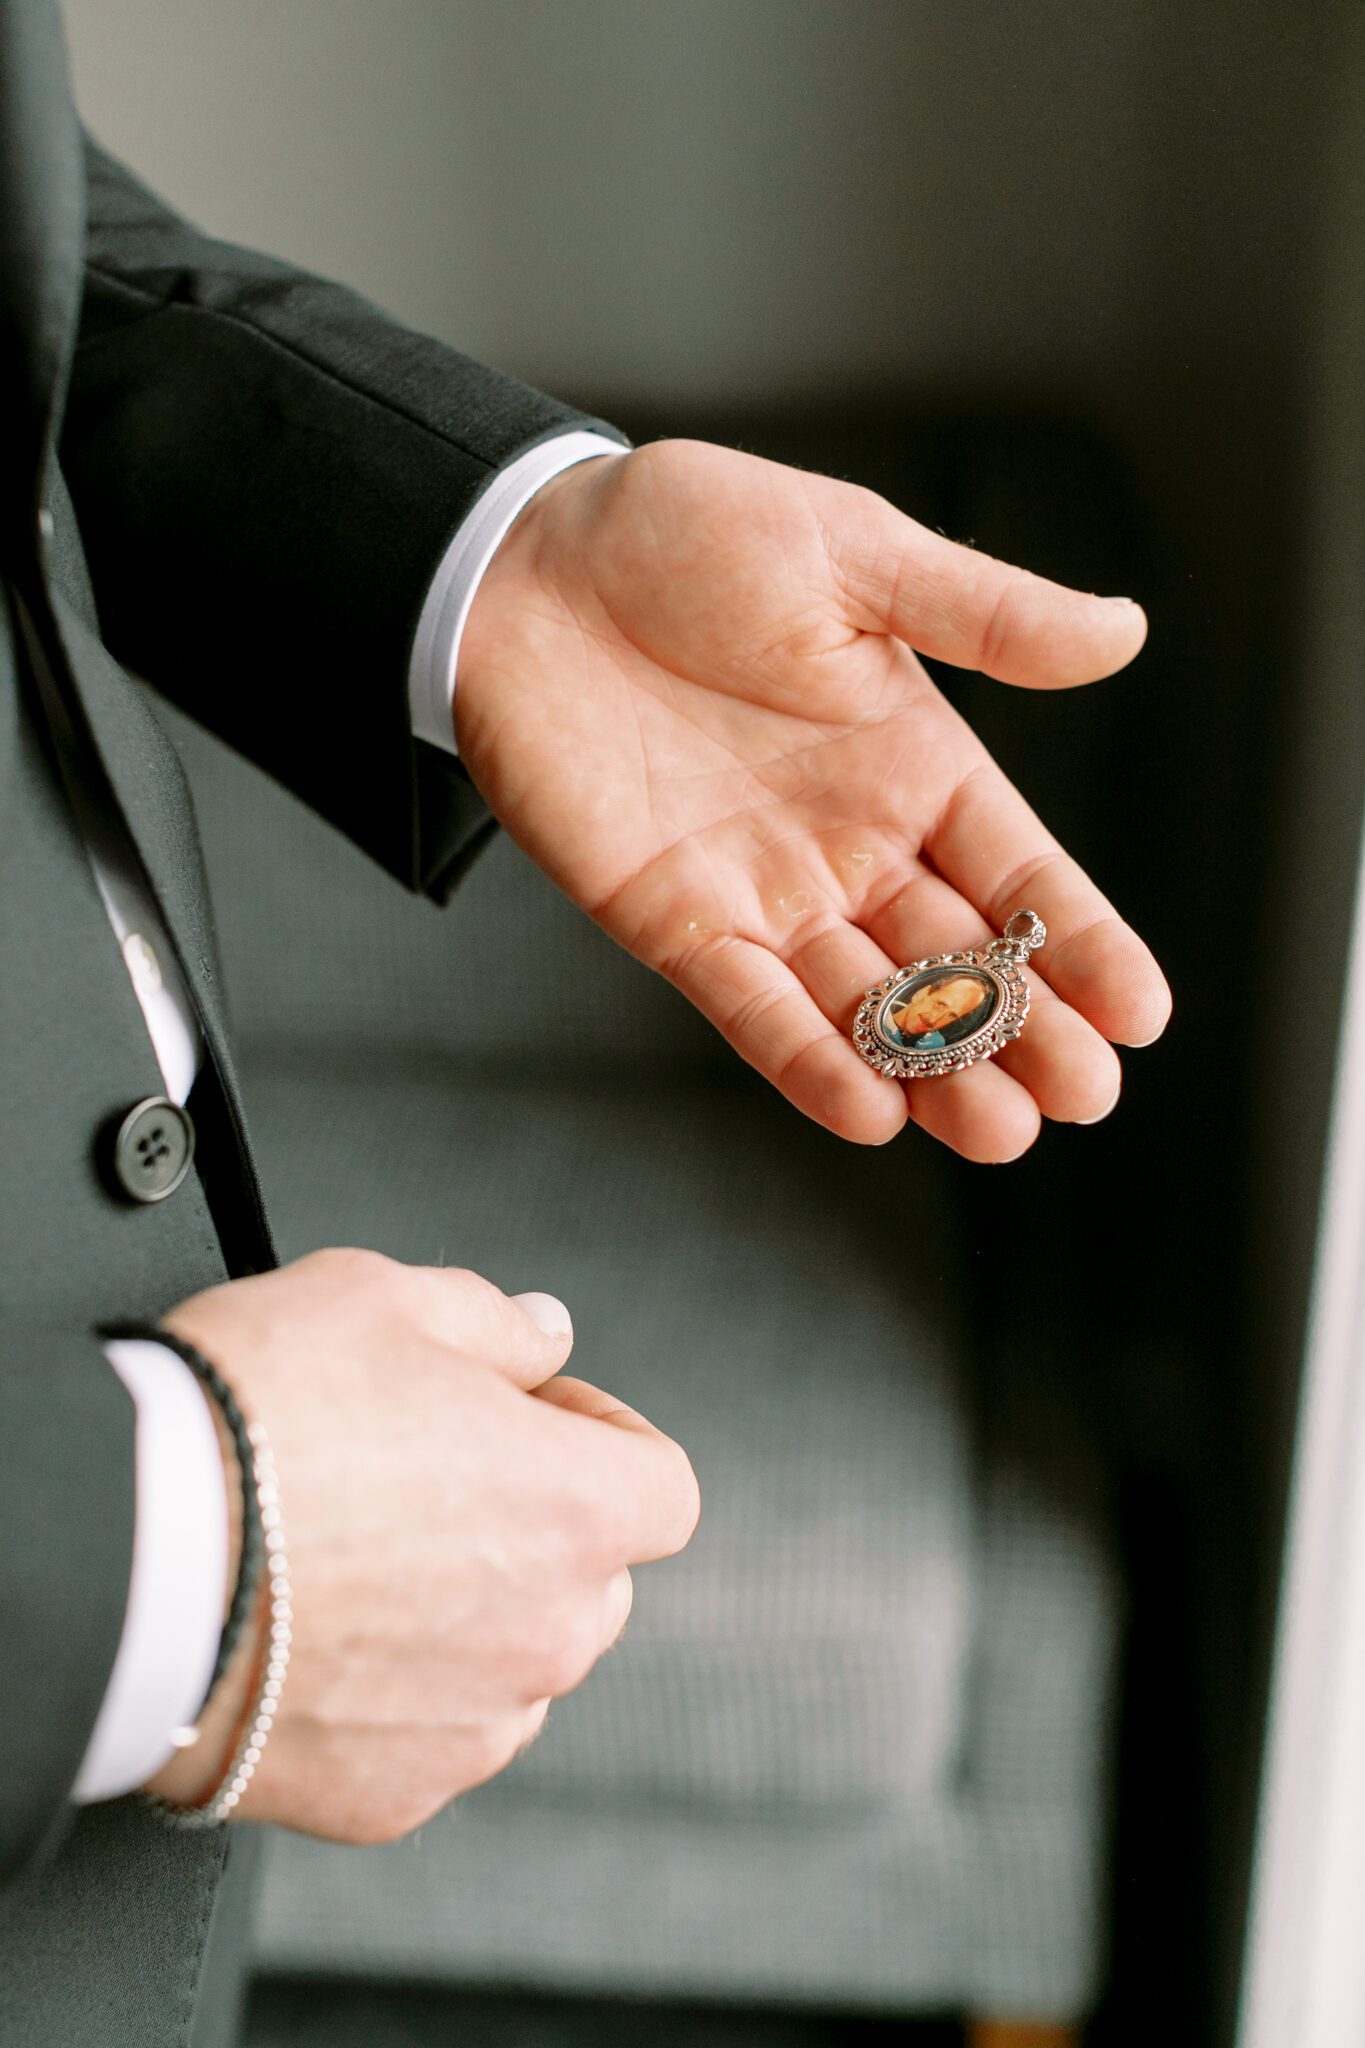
(688, 689)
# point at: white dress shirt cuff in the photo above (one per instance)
(436, 647)
(174, 1617)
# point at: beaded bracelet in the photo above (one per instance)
(253, 1548)
(272, 1662)
(262, 1542)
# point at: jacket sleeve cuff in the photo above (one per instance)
(66, 1539)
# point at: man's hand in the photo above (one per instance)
(459, 1533)
(689, 692)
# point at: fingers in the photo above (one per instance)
(1070, 1070)
(982, 1113)
(995, 851)
(803, 1045)
(838, 963)
(1060, 1069)
(578, 1398)
(640, 1484)
(1066, 1065)
(986, 1119)
(794, 1026)
(572, 1644)
(966, 608)
(526, 1338)
(761, 1006)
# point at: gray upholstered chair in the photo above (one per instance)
(852, 1749)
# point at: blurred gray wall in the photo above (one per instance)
(730, 199)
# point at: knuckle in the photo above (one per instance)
(872, 523)
(588, 1505)
(391, 1784)
(354, 1265)
(662, 458)
(440, 1292)
(1002, 619)
(490, 1751)
(568, 1662)
(392, 1820)
(482, 1300)
(466, 1278)
(603, 1528)
(562, 1671)
(373, 1830)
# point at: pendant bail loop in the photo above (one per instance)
(1024, 933)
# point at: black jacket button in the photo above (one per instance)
(153, 1148)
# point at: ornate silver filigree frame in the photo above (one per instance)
(1000, 963)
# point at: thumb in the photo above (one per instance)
(547, 1312)
(525, 1337)
(958, 606)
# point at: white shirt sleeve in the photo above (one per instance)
(436, 645)
(174, 1617)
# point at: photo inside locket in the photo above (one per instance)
(936, 1009)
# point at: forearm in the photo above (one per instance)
(268, 472)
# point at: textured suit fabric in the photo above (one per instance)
(237, 479)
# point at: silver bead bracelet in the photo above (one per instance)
(219, 1804)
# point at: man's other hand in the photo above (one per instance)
(460, 1527)
(689, 688)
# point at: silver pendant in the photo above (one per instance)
(938, 1016)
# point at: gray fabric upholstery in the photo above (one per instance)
(852, 1746)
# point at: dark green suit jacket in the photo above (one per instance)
(237, 481)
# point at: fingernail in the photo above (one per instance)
(547, 1313)
(1112, 1105)
(1121, 600)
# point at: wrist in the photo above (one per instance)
(195, 1770)
(535, 561)
(198, 1765)
(244, 1597)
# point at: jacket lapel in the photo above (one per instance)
(42, 250)
(148, 786)
(42, 262)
